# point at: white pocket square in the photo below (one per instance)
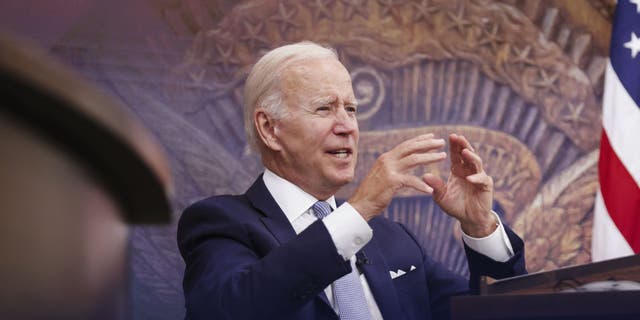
(400, 272)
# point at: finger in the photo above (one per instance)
(419, 144)
(473, 159)
(456, 145)
(415, 183)
(480, 179)
(434, 182)
(398, 151)
(460, 141)
(417, 159)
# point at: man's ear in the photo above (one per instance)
(266, 128)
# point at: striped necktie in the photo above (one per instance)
(347, 291)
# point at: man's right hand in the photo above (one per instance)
(390, 173)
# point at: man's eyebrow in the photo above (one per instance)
(322, 100)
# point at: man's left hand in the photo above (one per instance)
(468, 193)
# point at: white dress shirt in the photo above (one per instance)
(350, 232)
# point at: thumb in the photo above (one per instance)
(438, 185)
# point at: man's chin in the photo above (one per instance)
(344, 179)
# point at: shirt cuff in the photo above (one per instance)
(495, 246)
(348, 230)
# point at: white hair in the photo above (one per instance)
(262, 88)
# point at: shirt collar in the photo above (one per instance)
(292, 199)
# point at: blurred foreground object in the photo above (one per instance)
(607, 289)
(76, 169)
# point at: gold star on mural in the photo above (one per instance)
(355, 7)
(573, 115)
(423, 11)
(225, 57)
(522, 56)
(458, 20)
(253, 35)
(491, 38)
(284, 18)
(197, 77)
(546, 81)
(390, 7)
(319, 9)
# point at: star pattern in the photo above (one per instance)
(633, 45)
(197, 77)
(320, 9)
(546, 81)
(522, 58)
(574, 114)
(491, 37)
(225, 57)
(423, 11)
(390, 7)
(458, 20)
(285, 18)
(355, 7)
(254, 35)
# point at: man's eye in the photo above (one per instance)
(324, 108)
(351, 109)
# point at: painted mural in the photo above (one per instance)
(521, 79)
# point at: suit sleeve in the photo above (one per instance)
(481, 265)
(442, 283)
(227, 278)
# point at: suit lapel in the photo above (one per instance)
(376, 271)
(273, 218)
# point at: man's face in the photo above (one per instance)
(319, 135)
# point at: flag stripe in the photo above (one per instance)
(608, 242)
(621, 121)
(620, 193)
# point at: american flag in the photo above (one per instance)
(616, 224)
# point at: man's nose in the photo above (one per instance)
(345, 122)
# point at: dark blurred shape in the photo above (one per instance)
(601, 290)
(75, 169)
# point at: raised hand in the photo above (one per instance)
(390, 173)
(468, 193)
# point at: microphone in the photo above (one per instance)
(361, 259)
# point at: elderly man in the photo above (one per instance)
(286, 250)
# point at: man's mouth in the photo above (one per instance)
(341, 153)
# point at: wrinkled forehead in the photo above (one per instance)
(317, 75)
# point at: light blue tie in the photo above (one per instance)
(347, 291)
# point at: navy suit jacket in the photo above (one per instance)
(245, 261)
